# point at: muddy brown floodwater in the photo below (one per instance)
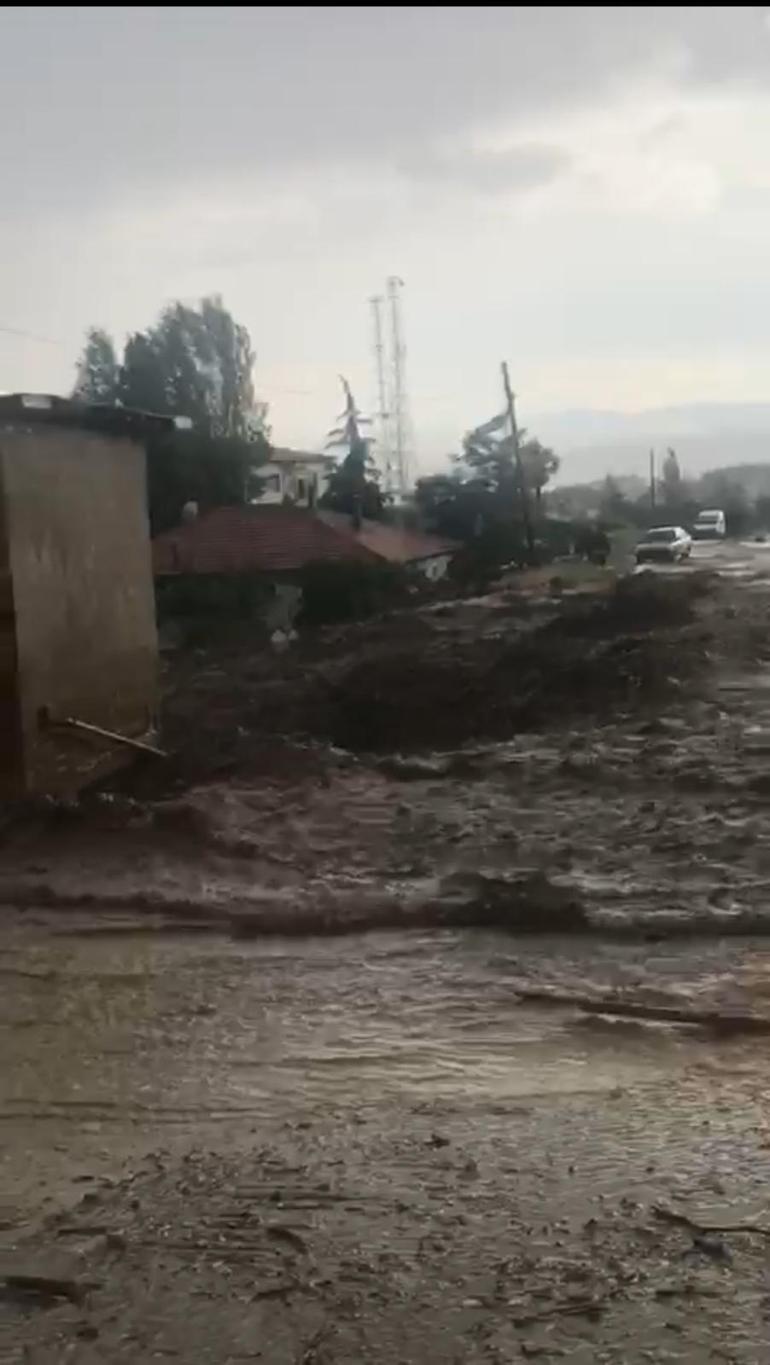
(371, 1146)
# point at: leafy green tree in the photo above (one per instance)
(191, 466)
(232, 354)
(491, 454)
(353, 487)
(195, 363)
(488, 454)
(455, 507)
(481, 501)
(142, 382)
(187, 365)
(97, 369)
(613, 504)
(540, 464)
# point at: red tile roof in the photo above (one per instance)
(394, 543)
(261, 539)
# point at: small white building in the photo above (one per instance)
(299, 476)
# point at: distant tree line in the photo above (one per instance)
(196, 363)
(677, 500)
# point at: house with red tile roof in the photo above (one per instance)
(278, 542)
(251, 539)
(429, 554)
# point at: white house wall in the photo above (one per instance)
(285, 481)
(435, 568)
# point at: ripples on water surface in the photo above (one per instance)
(175, 1027)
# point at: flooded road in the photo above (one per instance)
(371, 1146)
(176, 1028)
(388, 1100)
(179, 1031)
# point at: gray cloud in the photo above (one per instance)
(100, 102)
(506, 172)
(293, 158)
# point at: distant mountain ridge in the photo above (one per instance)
(706, 436)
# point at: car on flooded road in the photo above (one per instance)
(664, 545)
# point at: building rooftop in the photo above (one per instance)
(70, 412)
(252, 538)
(397, 544)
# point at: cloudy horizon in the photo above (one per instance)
(584, 192)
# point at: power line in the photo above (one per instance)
(31, 336)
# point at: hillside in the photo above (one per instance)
(706, 436)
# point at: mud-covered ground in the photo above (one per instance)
(379, 1146)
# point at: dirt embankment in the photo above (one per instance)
(466, 672)
(557, 763)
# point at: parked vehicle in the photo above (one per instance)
(667, 544)
(710, 524)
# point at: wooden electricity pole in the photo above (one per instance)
(523, 494)
(652, 479)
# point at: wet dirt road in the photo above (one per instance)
(368, 1147)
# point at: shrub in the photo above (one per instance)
(214, 598)
(349, 591)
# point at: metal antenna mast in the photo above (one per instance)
(383, 451)
(398, 404)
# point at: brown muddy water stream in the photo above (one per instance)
(110, 1042)
(256, 1150)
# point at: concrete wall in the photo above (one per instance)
(78, 550)
(11, 767)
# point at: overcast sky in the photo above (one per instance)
(585, 192)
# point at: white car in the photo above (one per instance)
(670, 544)
(710, 524)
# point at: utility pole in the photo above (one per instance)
(652, 479)
(523, 494)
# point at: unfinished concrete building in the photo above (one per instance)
(78, 643)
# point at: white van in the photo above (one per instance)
(710, 525)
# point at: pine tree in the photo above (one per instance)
(353, 486)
